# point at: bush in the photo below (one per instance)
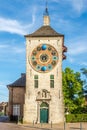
(76, 118)
(1, 113)
(80, 110)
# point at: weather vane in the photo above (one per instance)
(46, 3)
(46, 9)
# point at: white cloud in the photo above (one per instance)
(84, 63)
(79, 6)
(56, 1)
(75, 6)
(77, 49)
(77, 46)
(18, 50)
(3, 91)
(13, 49)
(71, 60)
(14, 53)
(2, 46)
(14, 26)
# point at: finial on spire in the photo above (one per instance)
(46, 16)
(46, 9)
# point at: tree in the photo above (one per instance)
(72, 90)
(84, 72)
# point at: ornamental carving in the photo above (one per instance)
(43, 95)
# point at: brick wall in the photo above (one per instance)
(16, 96)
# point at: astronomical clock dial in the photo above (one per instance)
(44, 58)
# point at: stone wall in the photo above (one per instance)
(31, 107)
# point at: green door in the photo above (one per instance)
(43, 115)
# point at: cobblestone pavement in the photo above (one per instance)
(68, 126)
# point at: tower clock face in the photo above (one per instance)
(44, 58)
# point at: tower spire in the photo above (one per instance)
(46, 9)
(46, 15)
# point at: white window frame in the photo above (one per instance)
(16, 110)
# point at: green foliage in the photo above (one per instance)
(76, 118)
(1, 113)
(80, 110)
(84, 72)
(72, 90)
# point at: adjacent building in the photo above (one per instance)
(16, 97)
(4, 108)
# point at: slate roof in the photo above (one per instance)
(21, 82)
(44, 31)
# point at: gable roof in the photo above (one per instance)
(45, 31)
(21, 82)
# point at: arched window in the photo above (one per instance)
(44, 104)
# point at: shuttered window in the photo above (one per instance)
(35, 81)
(51, 81)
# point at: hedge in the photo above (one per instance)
(1, 113)
(76, 118)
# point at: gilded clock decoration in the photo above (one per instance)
(44, 58)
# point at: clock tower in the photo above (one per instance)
(43, 94)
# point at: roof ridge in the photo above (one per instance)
(20, 82)
(44, 31)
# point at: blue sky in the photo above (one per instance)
(20, 17)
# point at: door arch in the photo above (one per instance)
(44, 112)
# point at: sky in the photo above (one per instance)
(21, 17)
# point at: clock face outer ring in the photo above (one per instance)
(43, 58)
